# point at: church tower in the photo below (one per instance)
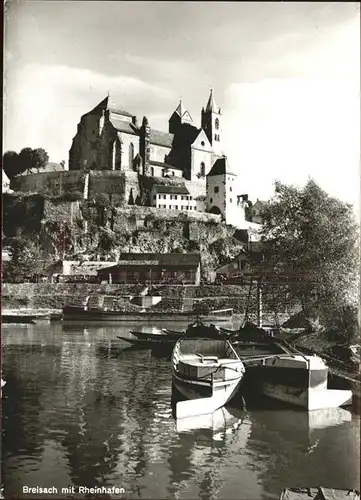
(212, 124)
(180, 116)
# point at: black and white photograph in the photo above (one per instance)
(180, 304)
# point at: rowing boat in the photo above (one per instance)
(206, 370)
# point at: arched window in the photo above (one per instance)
(131, 154)
(114, 154)
(216, 123)
(203, 169)
(152, 171)
(215, 137)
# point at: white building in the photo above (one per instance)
(221, 195)
(172, 198)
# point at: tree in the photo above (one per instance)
(26, 258)
(309, 233)
(11, 164)
(33, 158)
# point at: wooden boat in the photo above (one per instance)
(297, 379)
(320, 493)
(149, 343)
(162, 333)
(208, 369)
(201, 328)
(24, 318)
(84, 314)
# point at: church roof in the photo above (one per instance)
(211, 105)
(160, 138)
(180, 109)
(221, 167)
(122, 126)
(110, 104)
(182, 112)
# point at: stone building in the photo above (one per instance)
(115, 155)
(109, 138)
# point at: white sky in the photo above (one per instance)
(286, 74)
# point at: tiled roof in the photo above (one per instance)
(110, 104)
(126, 127)
(160, 138)
(164, 165)
(155, 259)
(161, 188)
(120, 111)
(220, 167)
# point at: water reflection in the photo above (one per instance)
(80, 409)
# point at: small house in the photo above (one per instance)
(233, 267)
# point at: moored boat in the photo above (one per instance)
(85, 314)
(207, 370)
(201, 328)
(297, 379)
(319, 493)
(155, 335)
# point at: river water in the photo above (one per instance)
(79, 409)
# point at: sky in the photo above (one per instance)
(286, 75)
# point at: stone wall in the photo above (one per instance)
(50, 183)
(202, 298)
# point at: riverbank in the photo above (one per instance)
(46, 297)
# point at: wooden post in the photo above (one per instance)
(259, 304)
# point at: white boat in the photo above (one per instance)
(297, 379)
(207, 373)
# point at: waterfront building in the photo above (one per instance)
(171, 268)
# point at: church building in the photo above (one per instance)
(109, 138)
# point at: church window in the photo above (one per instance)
(152, 171)
(203, 169)
(215, 137)
(230, 189)
(176, 207)
(216, 189)
(230, 200)
(131, 154)
(216, 124)
(202, 143)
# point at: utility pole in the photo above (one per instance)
(259, 303)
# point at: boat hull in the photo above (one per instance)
(205, 372)
(194, 389)
(297, 380)
(79, 314)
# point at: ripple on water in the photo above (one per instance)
(103, 418)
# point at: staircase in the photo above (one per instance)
(187, 299)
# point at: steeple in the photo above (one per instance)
(211, 120)
(179, 116)
(211, 105)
